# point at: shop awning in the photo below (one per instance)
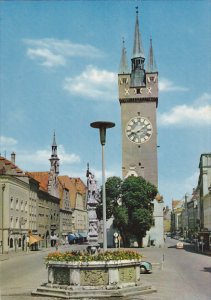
(54, 237)
(34, 239)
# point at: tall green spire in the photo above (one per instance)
(138, 50)
(151, 65)
(123, 68)
(138, 58)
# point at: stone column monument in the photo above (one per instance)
(93, 198)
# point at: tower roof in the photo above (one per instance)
(54, 139)
(138, 50)
(123, 68)
(151, 65)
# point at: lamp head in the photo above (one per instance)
(102, 125)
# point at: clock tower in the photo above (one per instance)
(138, 97)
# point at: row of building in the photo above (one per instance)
(43, 204)
(191, 216)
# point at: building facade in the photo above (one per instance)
(40, 204)
(204, 187)
(77, 199)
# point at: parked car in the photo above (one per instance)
(179, 245)
(145, 267)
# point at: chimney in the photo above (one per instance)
(13, 157)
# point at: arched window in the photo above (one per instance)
(19, 242)
(11, 203)
(11, 242)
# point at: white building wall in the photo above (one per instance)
(155, 236)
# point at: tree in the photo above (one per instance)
(131, 204)
(113, 192)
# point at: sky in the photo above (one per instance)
(59, 62)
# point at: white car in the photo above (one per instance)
(179, 245)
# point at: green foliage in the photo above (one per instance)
(120, 217)
(143, 219)
(113, 192)
(135, 214)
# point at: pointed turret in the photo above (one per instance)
(151, 65)
(54, 157)
(123, 68)
(54, 139)
(138, 58)
(138, 50)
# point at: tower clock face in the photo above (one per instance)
(139, 130)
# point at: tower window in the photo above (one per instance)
(137, 62)
(139, 164)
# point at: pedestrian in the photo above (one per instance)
(57, 246)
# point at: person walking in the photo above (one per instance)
(57, 246)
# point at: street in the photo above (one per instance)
(185, 275)
(177, 274)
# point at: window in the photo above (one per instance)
(26, 206)
(11, 221)
(21, 205)
(16, 223)
(11, 202)
(11, 243)
(17, 204)
(125, 80)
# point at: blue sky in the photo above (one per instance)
(59, 63)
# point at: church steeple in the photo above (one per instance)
(54, 160)
(138, 50)
(123, 68)
(151, 65)
(138, 58)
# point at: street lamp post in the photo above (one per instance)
(2, 216)
(209, 189)
(102, 126)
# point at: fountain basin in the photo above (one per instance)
(95, 274)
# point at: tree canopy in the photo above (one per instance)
(130, 202)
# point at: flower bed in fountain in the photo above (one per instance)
(104, 270)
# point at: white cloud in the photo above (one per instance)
(66, 158)
(54, 52)
(186, 115)
(7, 142)
(204, 99)
(40, 159)
(165, 85)
(93, 83)
(49, 59)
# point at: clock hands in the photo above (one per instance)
(138, 129)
